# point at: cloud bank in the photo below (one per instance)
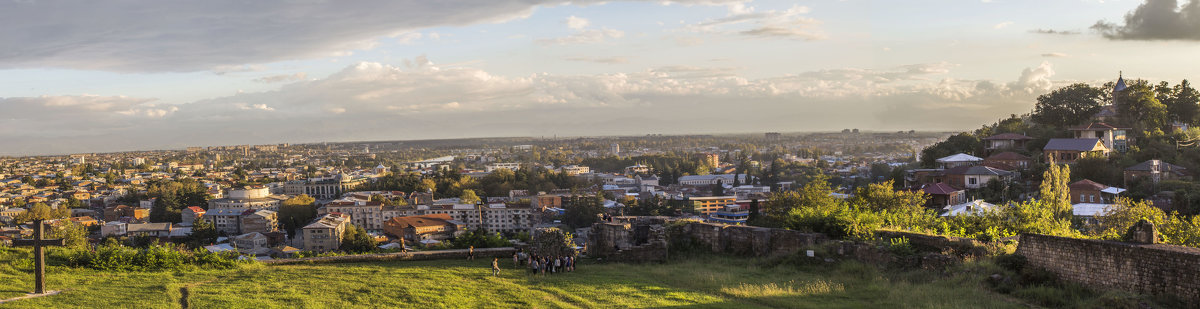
(374, 101)
(224, 35)
(1156, 20)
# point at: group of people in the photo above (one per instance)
(544, 264)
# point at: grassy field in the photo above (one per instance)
(701, 282)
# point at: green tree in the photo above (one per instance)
(1184, 104)
(356, 240)
(468, 197)
(295, 212)
(204, 233)
(1054, 190)
(958, 143)
(583, 210)
(881, 196)
(1141, 108)
(1068, 105)
(74, 235)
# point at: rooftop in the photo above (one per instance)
(1074, 144)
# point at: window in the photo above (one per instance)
(972, 180)
(1082, 197)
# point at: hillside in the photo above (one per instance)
(703, 282)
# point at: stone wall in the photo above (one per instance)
(749, 240)
(630, 239)
(483, 253)
(1142, 268)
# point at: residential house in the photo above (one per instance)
(958, 160)
(1067, 150)
(1008, 161)
(325, 233)
(148, 229)
(942, 195)
(1005, 141)
(1112, 136)
(425, 227)
(259, 221)
(1086, 191)
(191, 214)
(85, 221)
(975, 177)
(252, 244)
(1155, 170)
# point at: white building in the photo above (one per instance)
(495, 166)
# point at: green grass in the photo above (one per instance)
(700, 282)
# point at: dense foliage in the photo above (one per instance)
(115, 257)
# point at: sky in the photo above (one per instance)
(103, 76)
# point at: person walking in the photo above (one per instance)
(471, 253)
(495, 267)
(558, 264)
(516, 260)
(533, 266)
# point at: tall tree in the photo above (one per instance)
(1068, 105)
(1054, 190)
(296, 212)
(1184, 104)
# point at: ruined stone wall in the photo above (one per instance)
(1142, 268)
(749, 240)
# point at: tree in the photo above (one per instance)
(41, 211)
(1184, 104)
(1141, 108)
(204, 233)
(583, 210)
(74, 235)
(1068, 105)
(754, 216)
(881, 196)
(468, 197)
(427, 185)
(296, 212)
(1054, 191)
(356, 240)
(958, 143)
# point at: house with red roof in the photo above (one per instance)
(942, 195)
(1009, 161)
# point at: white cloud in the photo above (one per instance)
(604, 60)
(585, 37)
(282, 78)
(1056, 55)
(768, 24)
(374, 101)
(576, 23)
(1002, 25)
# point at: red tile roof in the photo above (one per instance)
(1087, 185)
(939, 189)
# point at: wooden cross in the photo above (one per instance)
(39, 243)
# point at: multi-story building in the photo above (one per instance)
(250, 197)
(708, 180)
(325, 233)
(323, 188)
(710, 204)
(259, 221)
(575, 170)
(426, 227)
(495, 166)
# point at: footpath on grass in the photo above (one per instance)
(505, 252)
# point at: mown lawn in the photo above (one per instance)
(701, 282)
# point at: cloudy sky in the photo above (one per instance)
(99, 76)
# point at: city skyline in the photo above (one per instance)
(102, 77)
